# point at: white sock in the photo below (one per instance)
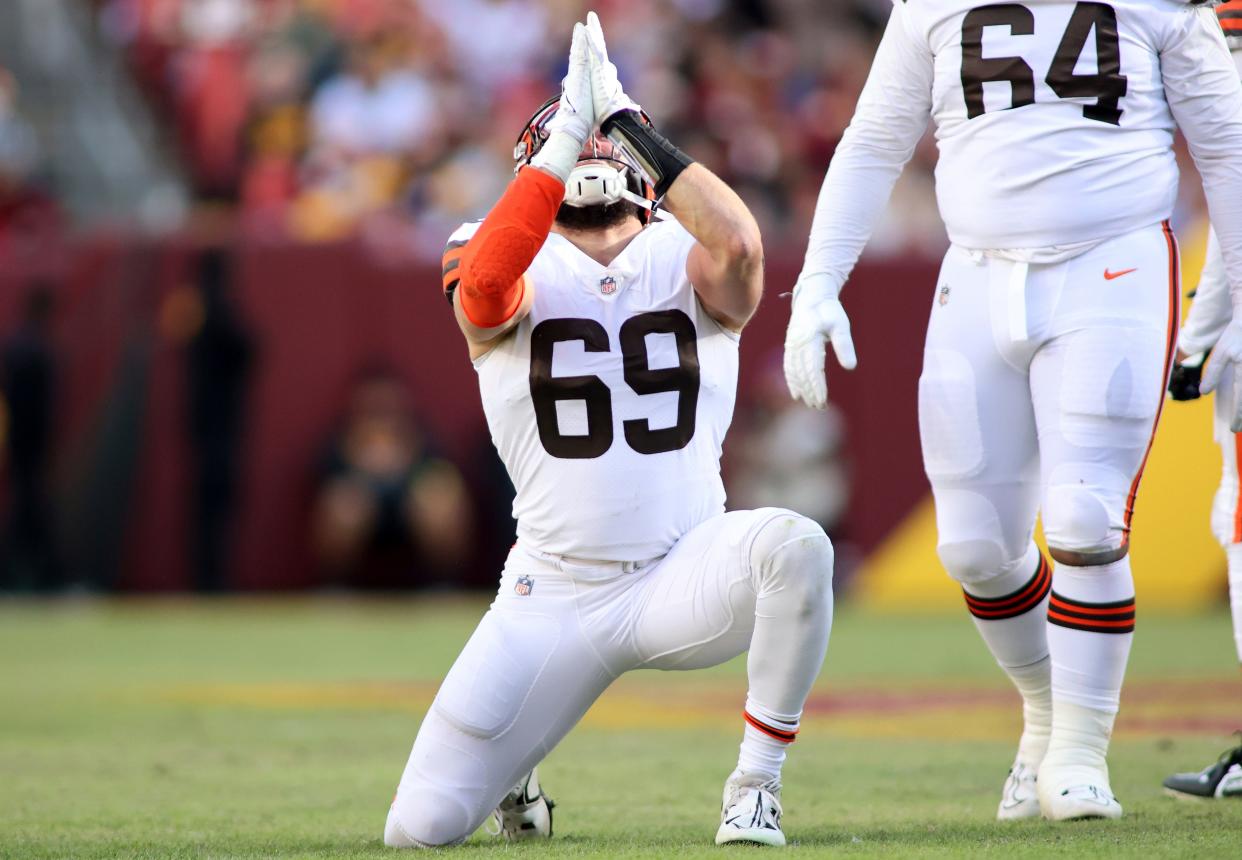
(1010, 612)
(763, 748)
(1078, 750)
(1090, 628)
(791, 561)
(1234, 553)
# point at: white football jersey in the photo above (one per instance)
(609, 403)
(1054, 121)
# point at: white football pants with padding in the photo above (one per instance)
(1227, 506)
(1041, 388)
(558, 633)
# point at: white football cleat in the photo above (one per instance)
(1019, 797)
(751, 811)
(524, 813)
(1076, 793)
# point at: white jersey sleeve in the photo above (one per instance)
(1212, 308)
(1204, 91)
(1054, 121)
(891, 118)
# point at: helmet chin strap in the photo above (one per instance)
(595, 184)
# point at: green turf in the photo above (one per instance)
(170, 730)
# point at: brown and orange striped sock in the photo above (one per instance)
(765, 740)
(1090, 627)
(1009, 614)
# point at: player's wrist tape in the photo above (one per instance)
(659, 159)
(558, 155)
(816, 287)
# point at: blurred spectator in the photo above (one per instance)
(27, 214)
(28, 382)
(219, 357)
(211, 87)
(367, 127)
(493, 41)
(378, 106)
(389, 512)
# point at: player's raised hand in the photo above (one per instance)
(576, 112)
(816, 318)
(1227, 358)
(574, 120)
(606, 90)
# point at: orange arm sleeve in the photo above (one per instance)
(494, 261)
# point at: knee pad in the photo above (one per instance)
(972, 562)
(976, 544)
(791, 548)
(1077, 519)
(427, 813)
(397, 836)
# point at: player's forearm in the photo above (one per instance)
(1212, 308)
(714, 215)
(891, 118)
(1204, 92)
(497, 256)
(854, 195)
(1222, 182)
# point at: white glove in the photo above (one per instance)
(1227, 358)
(574, 120)
(606, 89)
(817, 316)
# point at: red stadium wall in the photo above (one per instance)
(320, 314)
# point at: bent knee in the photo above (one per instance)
(1077, 522)
(793, 549)
(431, 823)
(972, 562)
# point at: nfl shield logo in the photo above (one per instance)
(608, 285)
(944, 294)
(524, 585)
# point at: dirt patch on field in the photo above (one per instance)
(1148, 707)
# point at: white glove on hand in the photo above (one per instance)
(1227, 358)
(606, 89)
(816, 317)
(575, 115)
(574, 120)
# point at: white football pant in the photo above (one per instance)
(1227, 506)
(558, 634)
(1041, 388)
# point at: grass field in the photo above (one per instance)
(255, 729)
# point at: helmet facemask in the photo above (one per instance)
(605, 187)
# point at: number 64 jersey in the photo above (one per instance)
(1054, 118)
(609, 403)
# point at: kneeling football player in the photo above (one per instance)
(606, 345)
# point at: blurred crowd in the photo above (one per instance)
(395, 119)
(390, 122)
(27, 209)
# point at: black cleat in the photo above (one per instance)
(1221, 779)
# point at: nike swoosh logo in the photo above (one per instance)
(1112, 276)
